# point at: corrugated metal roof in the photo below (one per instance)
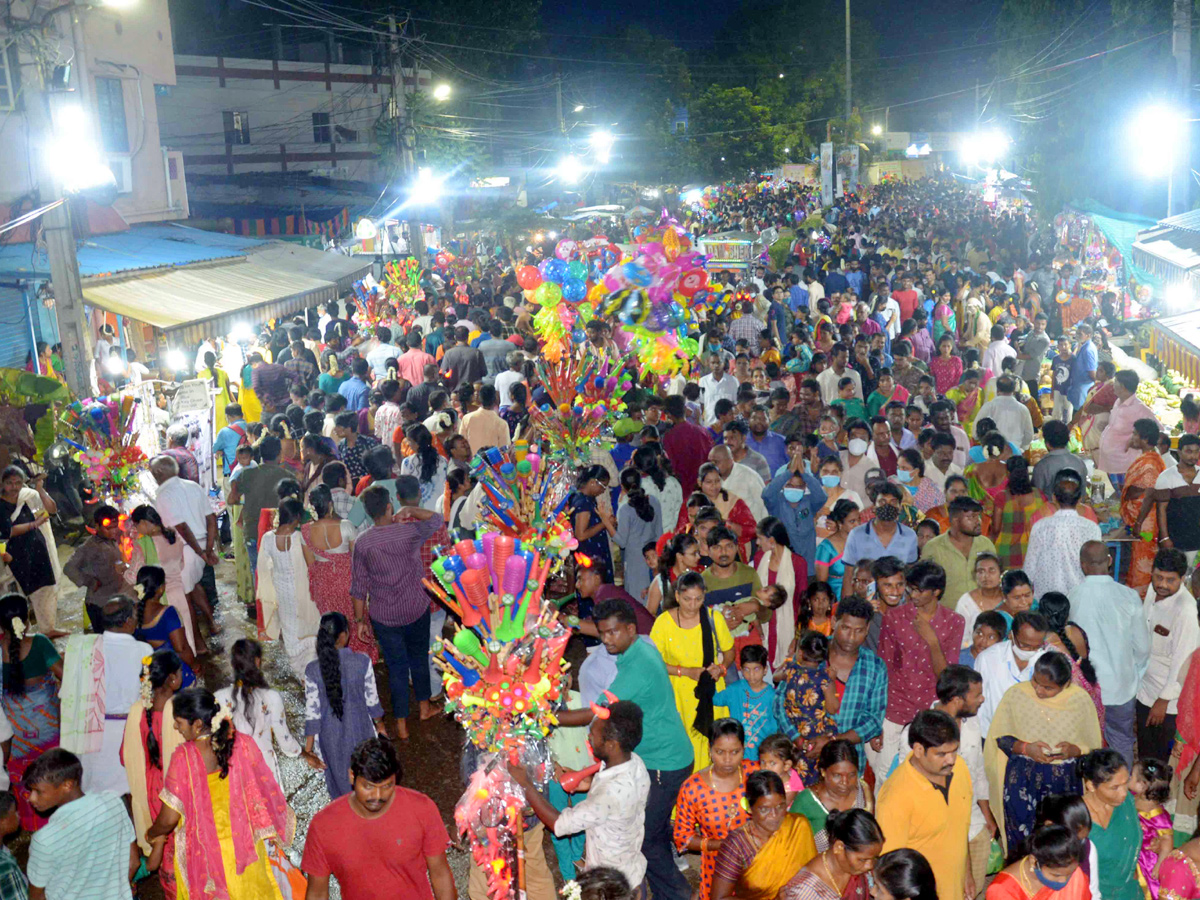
(142, 247)
(1188, 221)
(206, 299)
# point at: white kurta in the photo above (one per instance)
(268, 718)
(102, 770)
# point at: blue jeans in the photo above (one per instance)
(405, 649)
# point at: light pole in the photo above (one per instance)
(849, 107)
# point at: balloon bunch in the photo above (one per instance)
(649, 296)
(370, 296)
(401, 279)
(107, 446)
(524, 496)
(584, 394)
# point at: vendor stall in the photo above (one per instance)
(736, 250)
(1171, 252)
(1101, 240)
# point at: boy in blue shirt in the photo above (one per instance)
(751, 700)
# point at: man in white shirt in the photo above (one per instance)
(941, 416)
(715, 386)
(1052, 560)
(1118, 640)
(385, 350)
(839, 356)
(612, 816)
(1011, 416)
(1010, 662)
(997, 351)
(184, 506)
(940, 465)
(505, 380)
(102, 768)
(892, 316)
(740, 480)
(1170, 611)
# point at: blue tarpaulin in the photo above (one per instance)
(1121, 230)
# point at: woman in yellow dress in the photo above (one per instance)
(218, 383)
(226, 809)
(696, 647)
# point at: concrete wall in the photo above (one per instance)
(278, 100)
(133, 48)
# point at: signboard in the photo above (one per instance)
(847, 167)
(192, 396)
(827, 174)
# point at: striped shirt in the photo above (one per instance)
(387, 570)
(13, 885)
(83, 852)
(864, 701)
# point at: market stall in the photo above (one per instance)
(736, 250)
(1102, 241)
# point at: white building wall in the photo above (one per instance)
(276, 101)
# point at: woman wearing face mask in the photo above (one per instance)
(910, 474)
(1051, 871)
(855, 462)
(830, 474)
(842, 870)
(1039, 729)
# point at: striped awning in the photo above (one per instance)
(1175, 340)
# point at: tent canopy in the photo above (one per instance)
(194, 302)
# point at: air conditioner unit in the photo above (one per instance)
(122, 170)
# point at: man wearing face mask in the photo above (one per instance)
(883, 535)
(1009, 662)
(795, 497)
(855, 461)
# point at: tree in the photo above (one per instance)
(731, 131)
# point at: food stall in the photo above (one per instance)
(734, 250)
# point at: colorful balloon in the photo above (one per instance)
(529, 277)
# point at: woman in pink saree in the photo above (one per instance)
(229, 816)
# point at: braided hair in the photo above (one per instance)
(1057, 608)
(244, 658)
(418, 435)
(645, 460)
(198, 705)
(333, 626)
(151, 581)
(147, 513)
(631, 482)
(163, 664)
(14, 607)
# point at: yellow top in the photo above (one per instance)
(914, 814)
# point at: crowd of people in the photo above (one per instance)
(848, 620)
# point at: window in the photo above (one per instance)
(7, 102)
(237, 127)
(110, 109)
(322, 132)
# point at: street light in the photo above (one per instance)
(72, 152)
(570, 170)
(602, 142)
(426, 189)
(441, 92)
(787, 149)
(579, 108)
(1155, 136)
(983, 147)
(877, 130)
(780, 74)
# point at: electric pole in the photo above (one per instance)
(1181, 49)
(57, 231)
(406, 136)
(849, 106)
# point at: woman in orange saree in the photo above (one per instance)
(1135, 512)
(1050, 872)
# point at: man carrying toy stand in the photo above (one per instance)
(613, 814)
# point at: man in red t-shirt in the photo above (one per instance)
(380, 840)
(907, 298)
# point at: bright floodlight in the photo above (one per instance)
(176, 361)
(652, 193)
(780, 74)
(579, 108)
(242, 333)
(692, 196)
(1178, 297)
(441, 92)
(552, 235)
(72, 152)
(426, 189)
(1155, 138)
(366, 230)
(787, 149)
(570, 170)
(120, 4)
(984, 147)
(876, 130)
(602, 141)
(114, 365)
